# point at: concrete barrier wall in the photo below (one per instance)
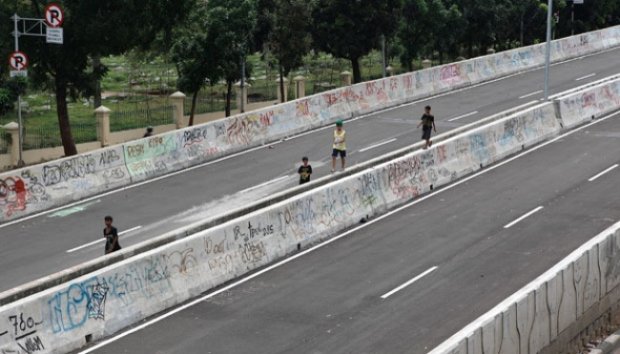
(539, 313)
(165, 153)
(109, 299)
(44, 186)
(589, 104)
(535, 316)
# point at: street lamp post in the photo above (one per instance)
(548, 47)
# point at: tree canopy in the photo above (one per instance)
(351, 29)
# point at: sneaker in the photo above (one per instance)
(430, 143)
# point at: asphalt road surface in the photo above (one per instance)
(54, 241)
(467, 246)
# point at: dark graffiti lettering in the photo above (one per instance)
(260, 230)
(67, 170)
(252, 252)
(135, 150)
(31, 345)
(108, 157)
(194, 136)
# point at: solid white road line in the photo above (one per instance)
(531, 94)
(25, 218)
(404, 285)
(602, 173)
(585, 77)
(377, 145)
(523, 217)
(463, 116)
(103, 239)
(336, 238)
(264, 184)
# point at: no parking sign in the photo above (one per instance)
(54, 16)
(18, 62)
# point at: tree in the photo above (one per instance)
(589, 16)
(191, 59)
(230, 28)
(481, 20)
(288, 35)
(192, 56)
(413, 31)
(91, 29)
(447, 38)
(351, 29)
(528, 12)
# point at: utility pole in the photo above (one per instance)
(20, 132)
(48, 27)
(548, 47)
(383, 55)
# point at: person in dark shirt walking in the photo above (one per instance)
(305, 170)
(428, 125)
(111, 236)
(149, 132)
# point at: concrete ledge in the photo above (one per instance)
(610, 344)
(103, 302)
(98, 263)
(454, 75)
(128, 252)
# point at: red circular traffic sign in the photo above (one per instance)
(18, 60)
(54, 16)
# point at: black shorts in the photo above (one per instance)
(426, 133)
(336, 152)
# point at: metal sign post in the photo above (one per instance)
(48, 27)
(18, 61)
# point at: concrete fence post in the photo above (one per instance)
(178, 103)
(300, 86)
(345, 78)
(103, 125)
(490, 51)
(389, 70)
(426, 64)
(285, 89)
(242, 95)
(13, 129)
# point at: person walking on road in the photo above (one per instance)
(305, 170)
(428, 125)
(110, 233)
(340, 145)
(149, 132)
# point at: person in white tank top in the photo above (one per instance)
(339, 146)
